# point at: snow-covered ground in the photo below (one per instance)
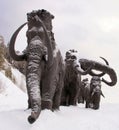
(14, 113)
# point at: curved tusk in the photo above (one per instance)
(48, 41)
(82, 72)
(101, 74)
(113, 77)
(12, 44)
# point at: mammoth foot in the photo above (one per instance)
(93, 106)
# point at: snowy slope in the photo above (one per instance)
(11, 96)
(13, 113)
(19, 79)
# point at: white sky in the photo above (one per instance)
(90, 26)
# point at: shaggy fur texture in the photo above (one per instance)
(92, 92)
(44, 71)
(72, 80)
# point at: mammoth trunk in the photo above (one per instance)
(33, 76)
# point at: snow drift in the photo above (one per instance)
(14, 113)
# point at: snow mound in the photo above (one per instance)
(14, 113)
(11, 96)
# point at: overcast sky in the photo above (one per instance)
(90, 26)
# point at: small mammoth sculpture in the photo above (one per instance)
(92, 93)
(74, 68)
(96, 92)
(84, 84)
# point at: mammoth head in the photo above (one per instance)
(95, 81)
(35, 23)
(43, 15)
(71, 60)
(84, 81)
(95, 84)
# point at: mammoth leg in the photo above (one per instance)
(73, 98)
(80, 99)
(81, 95)
(56, 100)
(88, 101)
(96, 101)
(87, 97)
(87, 104)
(58, 94)
(64, 98)
(47, 90)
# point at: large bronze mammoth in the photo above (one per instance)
(44, 70)
(74, 68)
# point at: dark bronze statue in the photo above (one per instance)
(84, 84)
(74, 68)
(44, 71)
(92, 92)
(95, 92)
(72, 79)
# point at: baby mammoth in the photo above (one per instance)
(93, 92)
(84, 84)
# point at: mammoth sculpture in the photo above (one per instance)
(72, 79)
(44, 69)
(74, 68)
(92, 92)
(95, 92)
(84, 84)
